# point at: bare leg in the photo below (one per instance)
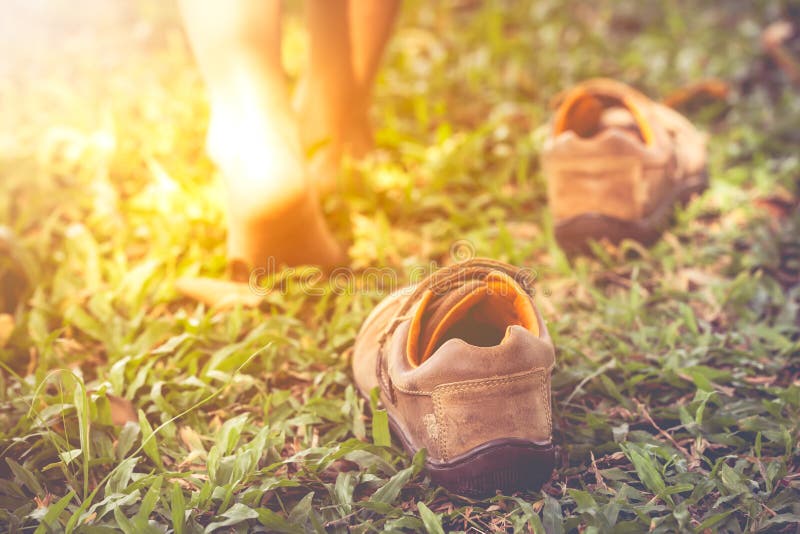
(371, 25)
(347, 42)
(253, 136)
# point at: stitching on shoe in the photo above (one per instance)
(473, 382)
(488, 383)
(442, 441)
(545, 392)
(412, 391)
(441, 427)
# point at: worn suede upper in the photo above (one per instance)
(461, 395)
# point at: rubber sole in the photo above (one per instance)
(575, 233)
(507, 465)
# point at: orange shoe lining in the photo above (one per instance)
(483, 316)
(414, 332)
(582, 109)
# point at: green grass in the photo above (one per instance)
(677, 385)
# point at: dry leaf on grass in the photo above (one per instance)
(191, 439)
(6, 328)
(704, 91)
(121, 410)
(219, 294)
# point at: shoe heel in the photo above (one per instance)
(574, 233)
(507, 465)
(597, 195)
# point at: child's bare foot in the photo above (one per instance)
(254, 137)
(273, 210)
(333, 99)
(328, 135)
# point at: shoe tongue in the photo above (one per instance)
(620, 118)
(477, 310)
(600, 104)
(590, 115)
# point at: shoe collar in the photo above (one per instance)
(445, 281)
(586, 101)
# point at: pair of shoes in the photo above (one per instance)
(462, 360)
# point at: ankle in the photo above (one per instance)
(339, 125)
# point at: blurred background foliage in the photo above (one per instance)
(677, 387)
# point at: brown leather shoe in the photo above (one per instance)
(462, 362)
(616, 163)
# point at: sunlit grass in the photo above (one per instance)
(248, 417)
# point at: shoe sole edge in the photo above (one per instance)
(508, 465)
(574, 234)
(505, 464)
